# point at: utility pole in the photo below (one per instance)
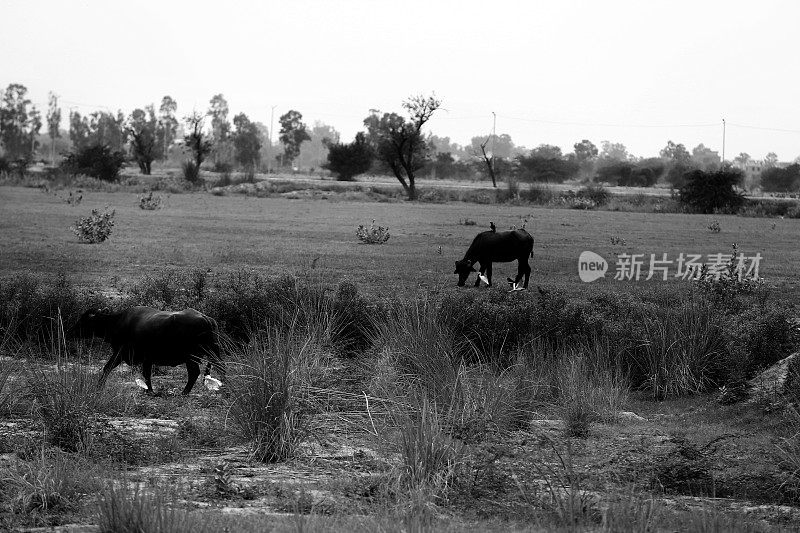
(723, 141)
(269, 151)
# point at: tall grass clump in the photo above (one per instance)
(425, 352)
(681, 350)
(590, 387)
(431, 457)
(139, 510)
(51, 482)
(272, 382)
(67, 399)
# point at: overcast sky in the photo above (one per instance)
(555, 72)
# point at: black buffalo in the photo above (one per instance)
(497, 247)
(147, 336)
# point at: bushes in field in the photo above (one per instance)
(95, 228)
(707, 192)
(97, 161)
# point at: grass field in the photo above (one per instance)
(412, 431)
(274, 235)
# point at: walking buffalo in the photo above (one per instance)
(147, 336)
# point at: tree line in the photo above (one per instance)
(390, 143)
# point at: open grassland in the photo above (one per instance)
(368, 393)
(279, 235)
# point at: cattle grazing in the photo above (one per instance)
(497, 247)
(147, 336)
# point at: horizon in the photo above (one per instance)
(553, 74)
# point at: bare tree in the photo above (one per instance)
(488, 158)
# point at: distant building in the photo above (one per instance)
(753, 169)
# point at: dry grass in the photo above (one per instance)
(139, 510)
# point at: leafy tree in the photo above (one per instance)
(246, 142)
(676, 153)
(445, 166)
(168, 124)
(293, 134)
(143, 129)
(498, 146)
(776, 179)
(545, 163)
(78, 130)
(707, 192)
(444, 145)
(351, 159)
(547, 151)
(20, 123)
(220, 132)
(743, 158)
(99, 128)
(98, 161)
(771, 160)
(314, 152)
(198, 142)
(399, 143)
(704, 158)
(616, 151)
(53, 123)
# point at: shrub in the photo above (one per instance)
(372, 235)
(707, 192)
(95, 228)
(538, 194)
(758, 338)
(30, 307)
(191, 172)
(96, 161)
(150, 202)
(596, 193)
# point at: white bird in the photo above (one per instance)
(483, 278)
(141, 383)
(212, 383)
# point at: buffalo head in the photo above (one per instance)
(463, 268)
(92, 323)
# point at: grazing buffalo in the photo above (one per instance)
(497, 247)
(147, 336)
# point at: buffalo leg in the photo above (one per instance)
(112, 363)
(523, 269)
(193, 371)
(489, 273)
(147, 372)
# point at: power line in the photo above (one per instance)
(609, 125)
(762, 128)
